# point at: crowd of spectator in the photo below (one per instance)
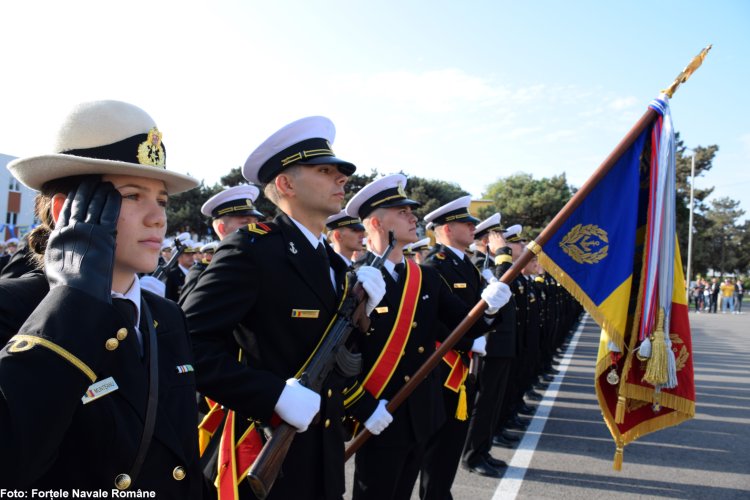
(707, 296)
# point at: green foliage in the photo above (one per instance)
(533, 203)
(431, 193)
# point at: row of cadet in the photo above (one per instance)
(99, 372)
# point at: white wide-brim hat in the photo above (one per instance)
(103, 137)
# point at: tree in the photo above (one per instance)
(432, 193)
(702, 258)
(533, 203)
(724, 236)
(184, 211)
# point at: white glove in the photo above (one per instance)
(496, 294)
(374, 284)
(153, 285)
(487, 275)
(480, 346)
(297, 405)
(379, 419)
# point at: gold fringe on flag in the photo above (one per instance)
(620, 411)
(656, 369)
(617, 463)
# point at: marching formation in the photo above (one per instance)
(133, 363)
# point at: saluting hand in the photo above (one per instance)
(81, 250)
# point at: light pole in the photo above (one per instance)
(690, 228)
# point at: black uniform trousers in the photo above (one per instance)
(493, 381)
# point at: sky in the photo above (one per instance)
(462, 91)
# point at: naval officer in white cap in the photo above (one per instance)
(232, 208)
(270, 293)
(346, 234)
(454, 228)
(417, 310)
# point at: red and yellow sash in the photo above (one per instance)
(382, 370)
(456, 380)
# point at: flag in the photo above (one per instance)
(617, 254)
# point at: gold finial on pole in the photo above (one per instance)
(685, 73)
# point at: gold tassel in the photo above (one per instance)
(461, 410)
(620, 411)
(656, 369)
(617, 464)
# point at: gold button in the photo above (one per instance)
(414, 325)
(122, 482)
(328, 423)
(406, 378)
(111, 345)
(122, 333)
(330, 393)
(420, 349)
(179, 473)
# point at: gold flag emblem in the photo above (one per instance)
(586, 244)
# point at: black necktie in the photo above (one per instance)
(321, 250)
(399, 270)
(127, 309)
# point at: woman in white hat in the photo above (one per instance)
(96, 383)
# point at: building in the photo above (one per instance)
(16, 204)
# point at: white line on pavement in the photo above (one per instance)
(519, 463)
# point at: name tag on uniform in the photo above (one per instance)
(99, 389)
(305, 313)
(459, 285)
(381, 310)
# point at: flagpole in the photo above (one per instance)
(690, 229)
(532, 248)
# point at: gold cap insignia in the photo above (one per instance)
(401, 190)
(151, 151)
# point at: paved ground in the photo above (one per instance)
(567, 450)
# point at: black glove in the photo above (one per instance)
(81, 250)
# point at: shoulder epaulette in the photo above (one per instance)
(260, 228)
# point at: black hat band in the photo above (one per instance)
(232, 206)
(304, 150)
(454, 216)
(142, 149)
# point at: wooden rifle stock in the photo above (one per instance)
(267, 465)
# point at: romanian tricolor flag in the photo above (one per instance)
(617, 254)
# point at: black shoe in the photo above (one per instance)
(495, 462)
(510, 437)
(533, 395)
(541, 386)
(482, 468)
(526, 410)
(552, 371)
(519, 424)
(547, 377)
(500, 440)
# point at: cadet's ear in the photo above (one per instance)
(284, 184)
(57, 203)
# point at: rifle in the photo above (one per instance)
(163, 269)
(331, 354)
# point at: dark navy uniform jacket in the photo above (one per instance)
(269, 294)
(49, 438)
